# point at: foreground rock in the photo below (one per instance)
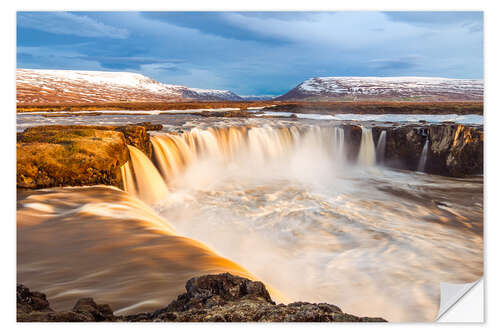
(33, 306)
(223, 298)
(77, 155)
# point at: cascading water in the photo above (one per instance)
(423, 157)
(149, 185)
(173, 153)
(277, 193)
(366, 155)
(381, 147)
(339, 141)
(128, 179)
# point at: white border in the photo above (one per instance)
(492, 114)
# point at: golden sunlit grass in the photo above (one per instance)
(69, 156)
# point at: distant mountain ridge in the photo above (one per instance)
(67, 86)
(386, 88)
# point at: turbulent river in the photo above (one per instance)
(269, 199)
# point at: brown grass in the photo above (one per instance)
(139, 106)
(365, 107)
(373, 107)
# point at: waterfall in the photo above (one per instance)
(173, 153)
(128, 179)
(381, 147)
(149, 185)
(366, 155)
(339, 142)
(423, 156)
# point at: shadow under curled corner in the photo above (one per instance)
(462, 302)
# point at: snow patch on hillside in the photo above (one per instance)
(94, 86)
(408, 86)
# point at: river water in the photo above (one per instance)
(272, 199)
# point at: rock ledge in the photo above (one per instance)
(209, 298)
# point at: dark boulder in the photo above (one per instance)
(403, 147)
(228, 298)
(28, 301)
(454, 150)
(33, 306)
(219, 289)
(99, 312)
(209, 298)
(352, 139)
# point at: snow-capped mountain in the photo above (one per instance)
(386, 88)
(67, 86)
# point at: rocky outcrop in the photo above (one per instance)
(138, 137)
(454, 150)
(69, 157)
(352, 136)
(77, 155)
(33, 306)
(222, 298)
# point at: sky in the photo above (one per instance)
(254, 53)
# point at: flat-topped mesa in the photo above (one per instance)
(209, 298)
(77, 155)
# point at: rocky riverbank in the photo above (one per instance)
(209, 298)
(454, 150)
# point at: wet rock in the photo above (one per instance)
(28, 301)
(209, 298)
(229, 298)
(99, 312)
(403, 147)
(352, 139)
(454, 150)
(138, 137)
(212, 290)
(34, 307)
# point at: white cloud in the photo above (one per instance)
(346, 30)
(69, 24)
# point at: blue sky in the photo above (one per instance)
(254, 53)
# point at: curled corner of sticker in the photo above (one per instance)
(451, 293)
